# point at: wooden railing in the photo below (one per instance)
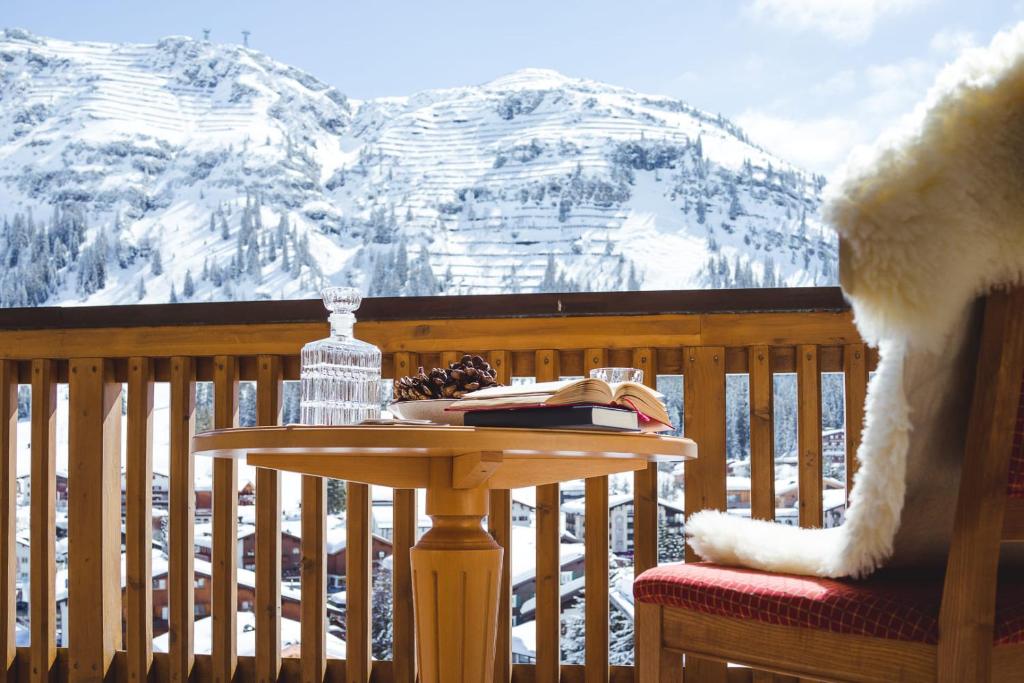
(699, 335)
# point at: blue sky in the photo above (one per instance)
(808, 79)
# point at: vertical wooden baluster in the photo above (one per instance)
(499, 525)
(762, 434)
(43, 520)
(314, 578)
(403, 623)
(449, 357)
(224, 599)
(809, 434)
(855, 370)
(645, 485)
(548, 585)
(704, 408)
(139, 519)
(94, 516)
(181, 522)
(596, 579)
(269, 389)
(501, 361)
(549, 606)
(645, 497)
(404, 626)
(357, 583)
(405, 364)
(8, 515)
(596, 559)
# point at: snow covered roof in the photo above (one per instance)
(383, 512)
(157, 559)
(615, 500)
(791, 484)
(833, 498)
(291, 635)
(204, 533)
(579, 505)
(523, 556)
(565, 590)
(527, 497)
(524, 639)
(737, 483)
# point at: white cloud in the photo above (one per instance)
(897, 86)
(952, 41)
(846, 20)
(815, 144)
(840, 83)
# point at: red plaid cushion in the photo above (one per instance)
(879, 607)
(1017, 457)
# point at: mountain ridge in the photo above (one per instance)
(188, 160)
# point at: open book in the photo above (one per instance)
(644, 400)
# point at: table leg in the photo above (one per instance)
(456, 569)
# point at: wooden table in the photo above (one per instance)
(456, 565)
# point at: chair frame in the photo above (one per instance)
(985, 517)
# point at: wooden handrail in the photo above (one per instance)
(703, 336)
(431, 308)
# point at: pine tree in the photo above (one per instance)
(548, 282)
(140, 291)
(422, 281)
(735, 208)
(271, 247)
(189, 288)
(285, 263)
(156, 263)
(213, 223)
(671, 544)
(381, 628)
(635, 283)
(336, 496)
(225, 233)
(174, 295)
(252, 263)
(282, 229)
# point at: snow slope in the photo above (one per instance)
(189, 153)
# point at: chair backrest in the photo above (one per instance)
(990, 504)
(1013, 520)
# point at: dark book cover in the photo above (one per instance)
(557, 417)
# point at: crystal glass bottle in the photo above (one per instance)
(340, 375)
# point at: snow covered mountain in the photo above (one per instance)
(191, 170)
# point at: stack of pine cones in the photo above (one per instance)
(461, 377)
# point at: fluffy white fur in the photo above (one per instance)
(930, 218)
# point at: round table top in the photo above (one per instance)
(440, 440)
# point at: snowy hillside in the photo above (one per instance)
(196, 171)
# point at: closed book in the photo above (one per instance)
(593, 417)
(574, 392)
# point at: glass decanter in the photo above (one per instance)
(340, 375)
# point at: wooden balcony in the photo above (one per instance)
(702, 336)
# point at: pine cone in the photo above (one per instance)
(460, 378)
(421, 386)
(469, 374)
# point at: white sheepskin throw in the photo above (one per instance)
(930, 219)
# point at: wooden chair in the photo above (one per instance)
(882, 629)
